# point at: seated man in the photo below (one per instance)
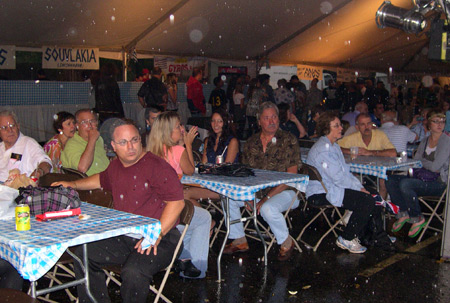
(399, 135)
(270, 149)
(19, 151)
(85, 150)
(370, 142)
(143, 184)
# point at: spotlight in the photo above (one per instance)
(409, 21)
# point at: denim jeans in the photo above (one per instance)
(196, 240)
(405, 190)
(271, 211)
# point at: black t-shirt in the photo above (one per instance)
(153, 91)
(218, 99)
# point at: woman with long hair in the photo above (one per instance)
(164, 140)
(171, 84)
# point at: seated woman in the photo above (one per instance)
(64, 125)
(220, 142)
(289, 122)
(344, 189)
(404, 190)
(163, 141)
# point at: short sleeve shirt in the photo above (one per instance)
(379, 141)
(281, 153)
(142, 188)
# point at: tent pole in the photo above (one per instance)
(124, 65)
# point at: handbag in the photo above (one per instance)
(44, 199)
(229, 170)
(425, 174)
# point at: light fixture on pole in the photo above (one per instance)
(410, 21)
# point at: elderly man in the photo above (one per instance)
(370, 142)
(19, 151)
(85, 151)
(399, 135)
(270, 149)
(142, 184)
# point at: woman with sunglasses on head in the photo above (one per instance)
(430, 180)
(164, 140)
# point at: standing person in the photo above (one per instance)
(264, 79)
(142, 184)
(19, 151)
(255, 96)
(164, 141)
(172, 90)
(343, 189)
(85, 150)
(270, 149)
(195, 98)
(239, 109)
(330, 94)
(153, 91)
(433, 152)
(218, 97)
(64, 125)
(107, 94)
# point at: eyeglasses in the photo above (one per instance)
(440, 121)
(86, 122)
(133, 141)
(337, 125)
(6, 127)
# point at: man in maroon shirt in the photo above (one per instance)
(142, 184)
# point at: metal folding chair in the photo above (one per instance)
(314, 175)
(432, 204)
(113, 272)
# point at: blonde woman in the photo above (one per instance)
(171, 85)
(164, 141)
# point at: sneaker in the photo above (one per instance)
(352, 246)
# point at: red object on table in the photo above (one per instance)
(53, 215)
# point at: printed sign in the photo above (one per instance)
(70, 58)
(7, 57)
(181, 65)
(345, 75)
(308, 72)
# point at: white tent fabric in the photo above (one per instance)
(338, 33)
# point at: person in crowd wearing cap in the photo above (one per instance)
(153, 91)
(19, 151)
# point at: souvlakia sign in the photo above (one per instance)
(70, 58)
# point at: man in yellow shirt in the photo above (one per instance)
(370, 142)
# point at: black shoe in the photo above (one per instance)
(189, 270)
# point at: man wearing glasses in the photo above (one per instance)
(85, 151)
(19, 151)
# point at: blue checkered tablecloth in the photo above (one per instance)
(378, 166)
(36, 251)
(243, 189)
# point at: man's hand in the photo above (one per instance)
(364, 191)
(93, 135)
(65, 184)
(249, 205)
(364, 152)
(147, 251)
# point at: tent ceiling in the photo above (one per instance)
(332, 32)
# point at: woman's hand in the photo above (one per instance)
(190, 135)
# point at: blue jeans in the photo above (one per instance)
(404, 192)
(196, 240)
(271, 211)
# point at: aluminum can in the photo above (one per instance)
(404, 156)
(23, 217)
(219, 159)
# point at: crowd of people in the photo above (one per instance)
(144, 171)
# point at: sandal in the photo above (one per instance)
(416, 228)
(399, 224)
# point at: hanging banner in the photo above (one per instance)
(181, 66)
(7, 57)
(308, 72)
(70, 58)
(345, 75)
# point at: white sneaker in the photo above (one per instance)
(352, 246)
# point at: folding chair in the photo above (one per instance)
(213, 204)
(433, 212)
(186, 215)
(314, 175)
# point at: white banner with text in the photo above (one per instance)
(70, 58)
(308, 72)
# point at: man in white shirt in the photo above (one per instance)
(399, 135)
(19, 151)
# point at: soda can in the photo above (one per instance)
(219, 159)
(23, 217)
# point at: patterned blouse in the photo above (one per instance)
(53, 149)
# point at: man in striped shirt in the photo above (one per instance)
(399, 135)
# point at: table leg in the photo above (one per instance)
(224, 201)
(86, 273)
(255, 222)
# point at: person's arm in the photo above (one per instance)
(242, 102)
(42, 169)
(173, 94)
(232, 151)
(187, 158)
(88, 183)
(299, 126)
(391, 152)
(205, 156)
(440, 157)
(142, 101)
(87, 157)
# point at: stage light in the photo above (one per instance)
(410, 21)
